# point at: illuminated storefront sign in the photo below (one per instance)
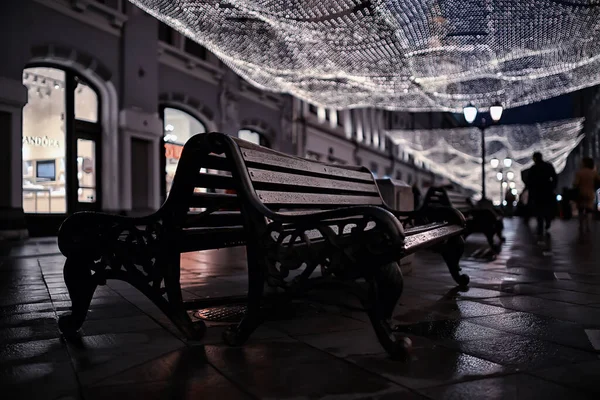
(173, 151)
(41, 141)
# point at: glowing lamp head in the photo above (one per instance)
(496, 112)
(512, 185)
(510, 175)
(507, 162)
(499, 176)
(470, 113)
(495, 162)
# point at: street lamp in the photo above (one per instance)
(496, 112)
(510, 175)
(470, 114)
(494, 162)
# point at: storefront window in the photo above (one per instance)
(179, 127)
(253, 137)
(44, 189)
(86, 103)
(86, 171)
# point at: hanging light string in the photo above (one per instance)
(410, 55)
(456, 153)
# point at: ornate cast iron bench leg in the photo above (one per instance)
(176, 311)
(237, 335)
(452, 252)
(81, 286)
(385, 288)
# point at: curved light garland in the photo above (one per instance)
(456, 153)
(417, 55)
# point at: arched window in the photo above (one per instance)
(253, 137)
(60, 145)
(179, 126)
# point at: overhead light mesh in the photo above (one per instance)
(456, 153)
(417, 55)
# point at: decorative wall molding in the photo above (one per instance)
(177, 59)
(271, 100)
(260, 126)
(192, 106)
(73, 56)
(90, 12)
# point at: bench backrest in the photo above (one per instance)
(282, 181)
(443, 197)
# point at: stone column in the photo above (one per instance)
(13, 96)
(141, 139)
(140, 127)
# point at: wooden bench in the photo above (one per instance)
(479, 219)
(295, 216)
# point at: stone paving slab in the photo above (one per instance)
(528, 327)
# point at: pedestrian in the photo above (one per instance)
(541, 182)
(510, 199)
(586, 183)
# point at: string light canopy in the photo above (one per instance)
(417, 55)
(456, 153)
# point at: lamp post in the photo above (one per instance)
(470, 113)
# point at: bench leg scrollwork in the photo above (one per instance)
(385, 288)
(452, 252)
(81, 285)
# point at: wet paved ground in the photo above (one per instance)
(528, 327)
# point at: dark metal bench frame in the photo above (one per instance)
(478, 219)
(289, 212)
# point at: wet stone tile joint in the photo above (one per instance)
(529, 319)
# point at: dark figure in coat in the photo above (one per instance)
(541, 182)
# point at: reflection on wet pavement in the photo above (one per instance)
(528, 327)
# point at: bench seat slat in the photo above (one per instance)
(218, 218)
(216, 162)
(214, 181)
(262, 159)
(315, 199)
(426, 239)
(200, 200)
(259, 176)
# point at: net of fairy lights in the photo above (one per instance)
(456, 153)
(416, 55)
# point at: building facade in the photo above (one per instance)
(587, 105)
(97, 99)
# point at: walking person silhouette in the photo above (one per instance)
(541, 182)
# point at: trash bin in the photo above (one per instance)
(399, 196)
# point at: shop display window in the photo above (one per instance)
(60, 108)
(253, 137)
(179, 126)
(44, 141)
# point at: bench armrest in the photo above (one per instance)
(434, 213)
